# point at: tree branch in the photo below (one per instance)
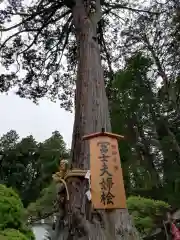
(69, 26)
(112, 13)
(64, 34)
(16, 34)
(34, 30)
(43, 26)
(31, 17)
(121, 6)
(19, 24)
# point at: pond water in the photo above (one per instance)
(39, 231)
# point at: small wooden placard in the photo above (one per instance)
(107, 185)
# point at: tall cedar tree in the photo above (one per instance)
(45, 31)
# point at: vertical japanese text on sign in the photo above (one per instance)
(106, 180)
(107, 186)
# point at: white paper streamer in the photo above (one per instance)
(88, 194)
(88, 176)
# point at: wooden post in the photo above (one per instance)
(107, 185)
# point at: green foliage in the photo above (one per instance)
(11, 208)
(147, 213)
(27, 232)
(12, 234)
(12, 224)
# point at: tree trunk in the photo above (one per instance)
(91, 115)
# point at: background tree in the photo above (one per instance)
(133, 109)
(52, 150)
(149, 153)
(27, 166)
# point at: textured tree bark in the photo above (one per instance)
(91, 115)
